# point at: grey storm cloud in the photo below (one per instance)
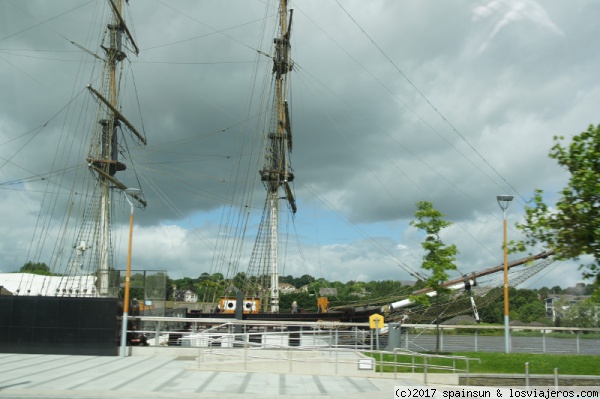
(392, 103)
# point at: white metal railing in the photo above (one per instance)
(280, 358)
(357, 336)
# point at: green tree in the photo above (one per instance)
(494, 312)
(35, 268)
(439, 258)
(544, 291)
(572, 228)
(389, 289)
(169, 288)
(289, 279)
(532, 311)
(304, 280)
(185, 284)
(584, 314)
(556, 289)
(521, 297)
(239, 280)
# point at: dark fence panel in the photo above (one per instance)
(53, 325)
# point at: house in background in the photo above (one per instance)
(190, 296)
(286, 288)
(304, 288)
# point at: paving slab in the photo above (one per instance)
(60, 376)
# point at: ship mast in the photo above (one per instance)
(275, 174)
(103, 155)
(546, 258)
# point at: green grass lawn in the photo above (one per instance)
(502, 363)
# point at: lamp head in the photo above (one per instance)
(136, 194)
(504, 201)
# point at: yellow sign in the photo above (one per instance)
(376, 321)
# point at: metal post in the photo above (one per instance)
(476, 340)
(377, 332)
(425, 370)
(556, 378)
(246, 351)
(504, 202)
(395, 362)
(543, 341)
(144, 287)
(336, 362)
(407, 338)
(201, 350)
(527, 375)
(156, 340)
(468, 376)
(127, 282)
(441, 338)
(577, 340)
(506, 310)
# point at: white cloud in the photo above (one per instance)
(502, 13)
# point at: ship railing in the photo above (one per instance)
(416, 337)
(268, 339)
(215, 328)
(193, 332)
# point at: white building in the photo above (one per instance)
(27, 284)
(190, 296)
(286, 288)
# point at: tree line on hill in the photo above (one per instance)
(526, 305)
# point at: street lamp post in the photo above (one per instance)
(135, 192)
(504, 202)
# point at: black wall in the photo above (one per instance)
(66, 326)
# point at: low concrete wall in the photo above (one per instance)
(311, 362)
(518, 380)
(278, 361)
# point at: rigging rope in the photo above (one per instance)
(436, 110)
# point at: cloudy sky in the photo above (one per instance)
(393, 102)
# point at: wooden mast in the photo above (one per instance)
(276, 173)
(103, 157)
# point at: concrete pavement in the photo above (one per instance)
(177, 375)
